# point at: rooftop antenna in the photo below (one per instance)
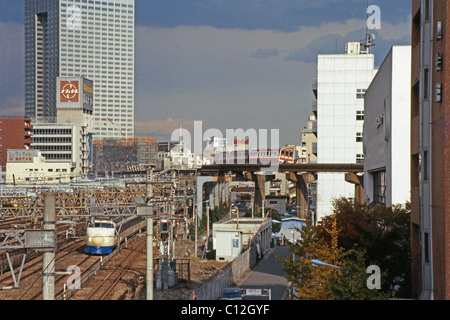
(369, 41)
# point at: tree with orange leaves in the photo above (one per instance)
(309, 281)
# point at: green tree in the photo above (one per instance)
(383, 232)
(351, 282)
(346, 282)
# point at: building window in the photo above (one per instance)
(359, 137)
(359, 158)
(360, 93)
(425, 165)
(359, 115)
(425, 84)
(379, 187)
(426, 251)
(427, 10)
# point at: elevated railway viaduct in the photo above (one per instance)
(300, 174)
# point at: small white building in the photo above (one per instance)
(232, 236)
(30, 167)
(182, 156)
(387, 131)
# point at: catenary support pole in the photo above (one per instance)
(48, 262)
(149, 283)
(149, 275)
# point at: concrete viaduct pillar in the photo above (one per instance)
(301, 191)
(358, 181)
(220, 191)
(260, 187)
(201, 180)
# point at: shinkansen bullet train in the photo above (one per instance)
(101, 237)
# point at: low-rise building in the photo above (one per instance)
(15, 133)
(182, 157)
(64, 143)
(278, 203)
(30, 167)
(232, 236)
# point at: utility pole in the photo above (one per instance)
(195, 230)
(207, 227)
(149, 278)
(149, 275)
(48, 261)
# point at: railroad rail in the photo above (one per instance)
(70, 253)
(119, 270)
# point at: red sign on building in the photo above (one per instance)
(69, 91)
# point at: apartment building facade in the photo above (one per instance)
(430, 149)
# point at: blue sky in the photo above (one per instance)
(230, 63)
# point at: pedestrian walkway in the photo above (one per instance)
(268, 274)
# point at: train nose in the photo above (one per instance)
(98, 239)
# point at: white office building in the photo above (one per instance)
(342, 80)
(387, 131)
(93, 39)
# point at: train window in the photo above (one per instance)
(103, 225)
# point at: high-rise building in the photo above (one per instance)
(73, 38)
(430, 149)
(342, 80)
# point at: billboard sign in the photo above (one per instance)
(88, 94)
(75, 93)
(20, 156)
(69, 91)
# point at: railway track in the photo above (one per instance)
(117, 271)
(30, 286)
(106, 273)
(65, 234)
(86, 264)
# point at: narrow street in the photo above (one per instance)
(268, 274)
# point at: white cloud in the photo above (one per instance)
(162, 127)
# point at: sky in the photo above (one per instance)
(231, 64)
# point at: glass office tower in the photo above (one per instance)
(94, 39)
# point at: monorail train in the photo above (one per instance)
(101, 237)
(257, 156)
(264, 156)
(231, 157)
(288, 155)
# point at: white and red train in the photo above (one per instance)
(257, 156)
